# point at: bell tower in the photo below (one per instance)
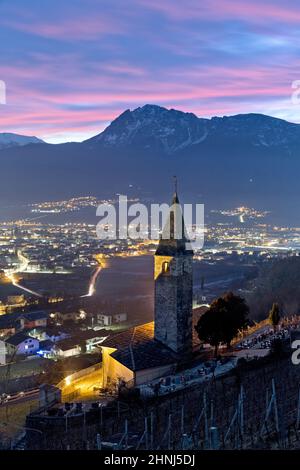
(173, 277)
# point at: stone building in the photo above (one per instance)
(134, 356)
(153, 350)
(173, 273)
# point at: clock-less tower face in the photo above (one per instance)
(173, 276)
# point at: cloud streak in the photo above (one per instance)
(70, 71)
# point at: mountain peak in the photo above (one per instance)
(158, 128)
(150, 109)
(8, 139)
(153, 126)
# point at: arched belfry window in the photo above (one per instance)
(165, 267)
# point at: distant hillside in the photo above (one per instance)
(248, 159)
(15, 140)
(278, 281)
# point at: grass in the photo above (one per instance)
(13, 416)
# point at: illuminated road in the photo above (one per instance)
(21, 397)
(16, 284)
(21, 268)
(10, 274)
(24, 262)
(92, 285)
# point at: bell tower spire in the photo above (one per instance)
(175, 196)
(173, 274)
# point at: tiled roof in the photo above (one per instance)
(31, 316)
(66, 344)
(17, 339)
(54, 330)
(46, 345)
(137, 349)
(10, 319)
(90, 334)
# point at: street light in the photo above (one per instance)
(68, 380)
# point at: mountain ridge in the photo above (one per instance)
(174, 130)
(248, 159)
(10, 139)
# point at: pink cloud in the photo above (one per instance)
(260, 12)
(123, 68)
(48, 114)
(82, 28)
(56, 95)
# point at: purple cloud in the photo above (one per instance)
(70, 69)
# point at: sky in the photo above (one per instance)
(71, 66)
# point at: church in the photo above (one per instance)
(152, 350)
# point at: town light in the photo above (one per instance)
(68, 380)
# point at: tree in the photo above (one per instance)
(209, 327)
(277, 348)
(221, 323)
(274, 315)
(236, 316)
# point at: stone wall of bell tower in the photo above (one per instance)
(173, 301)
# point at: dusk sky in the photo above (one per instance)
(70, 67)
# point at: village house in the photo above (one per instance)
(33, 319)
(67, 317)
(7, 326)
(20, 344)
(67, 348)
(106, 319)
(51, 332)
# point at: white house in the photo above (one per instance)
(2, 353)
(107, 319)
(21, 344)
(119, 317)
(67, 348)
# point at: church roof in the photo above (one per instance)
(174, 239)
(137, 349)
